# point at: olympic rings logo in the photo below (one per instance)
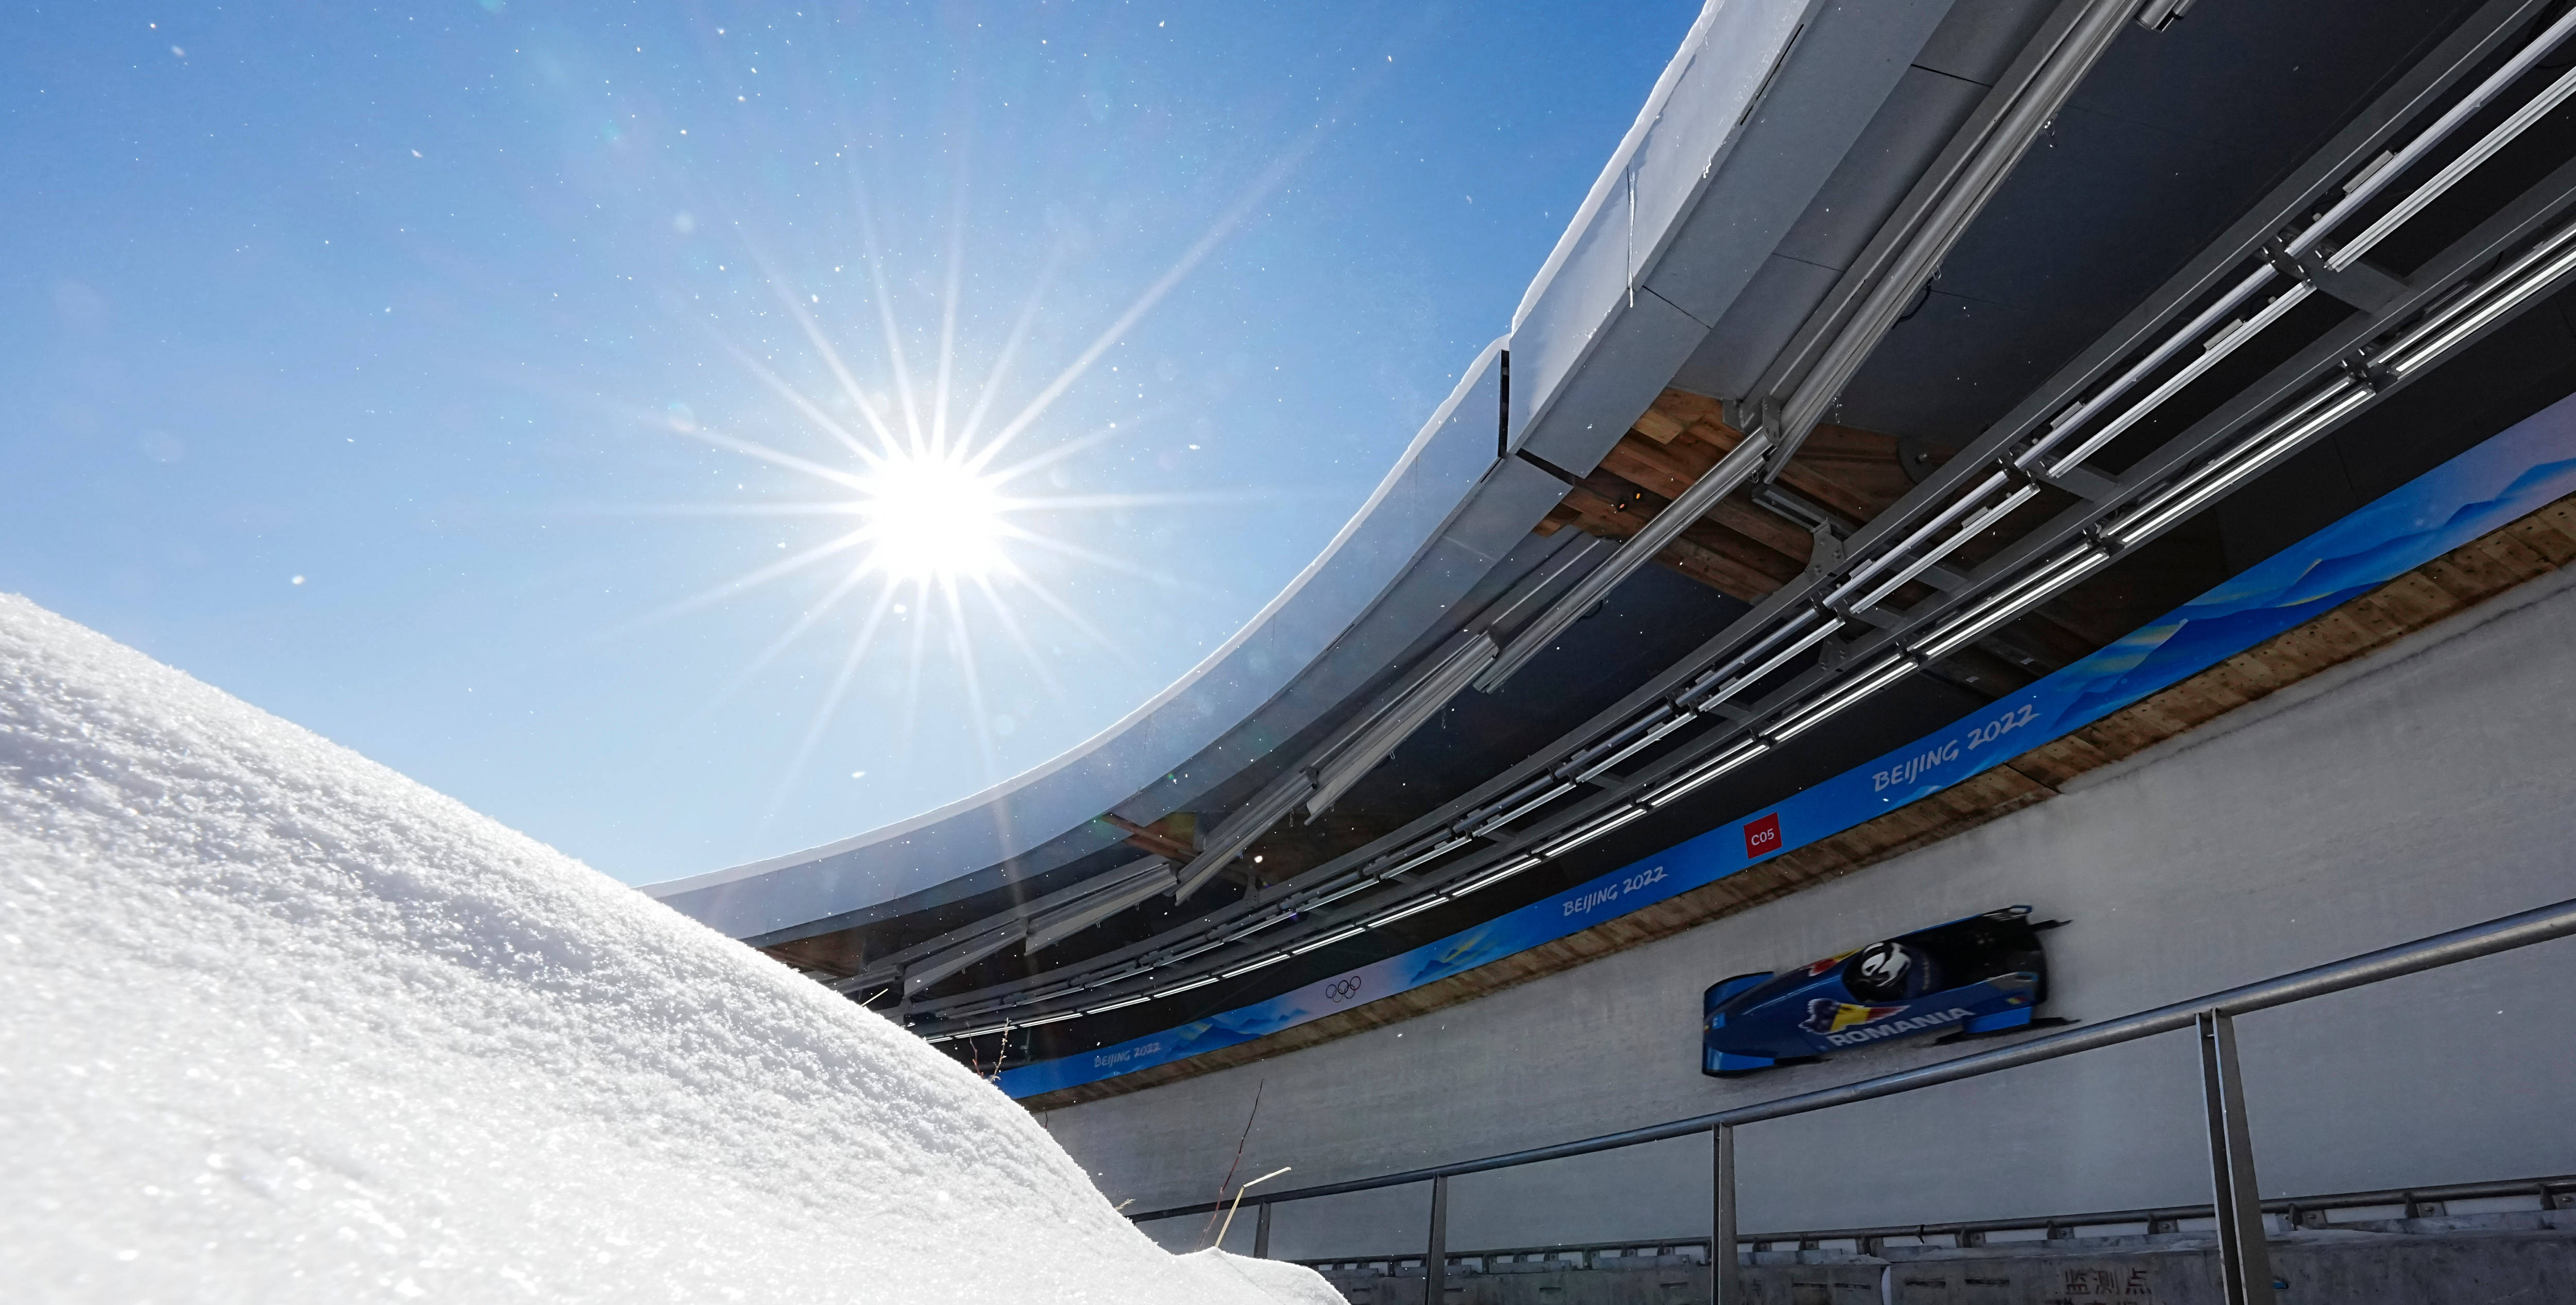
(1343, 989)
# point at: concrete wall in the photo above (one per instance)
(2431, 786)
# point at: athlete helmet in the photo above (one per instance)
(1882, 966)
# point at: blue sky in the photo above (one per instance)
(480, 384)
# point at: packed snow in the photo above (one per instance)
(277, 1024)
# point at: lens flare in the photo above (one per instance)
(942, 527)
(932, 518)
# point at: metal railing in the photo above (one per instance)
(2238, 1211)
(2555, 1192)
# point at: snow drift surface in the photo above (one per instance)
(278, 1024)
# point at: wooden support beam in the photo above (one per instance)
(1156, 840)
(1737, 547)
(839, 954)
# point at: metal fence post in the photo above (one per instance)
(1723, 1286)
(2244, 1264)
(1261, 1233)
(1435, 1265)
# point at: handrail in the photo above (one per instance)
(2504, 933)
(2556, 1185)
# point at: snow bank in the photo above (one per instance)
(277, 1024)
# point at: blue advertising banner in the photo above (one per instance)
(2506, 477)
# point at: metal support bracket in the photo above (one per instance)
(1828, 551)
(2161, 14)
(2083, 484)
(1817, 521)
(2363, 285)
(1767, 412)
(2366, 370)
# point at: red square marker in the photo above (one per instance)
(1762, 837)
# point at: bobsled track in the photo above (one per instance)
(277, 1024)
(2110, 457)
(2238, 1220)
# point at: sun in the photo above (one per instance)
(930, 517)
(927, 532)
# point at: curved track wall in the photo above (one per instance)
(2429, 786)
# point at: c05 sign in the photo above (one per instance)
(1762, 837)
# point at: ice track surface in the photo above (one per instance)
(277, 1024)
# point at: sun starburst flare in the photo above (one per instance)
(930, 526)
(928, 522)
(932, 517)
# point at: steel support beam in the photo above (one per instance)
(1130, 884)
(1426, 698)
(932, 969)
(2244, 1266)
(1734, 469)
(1810, 374)
(1725, 1284)
(1435, 1260)
(1236, 832)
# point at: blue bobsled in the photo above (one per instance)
(1985, 974)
